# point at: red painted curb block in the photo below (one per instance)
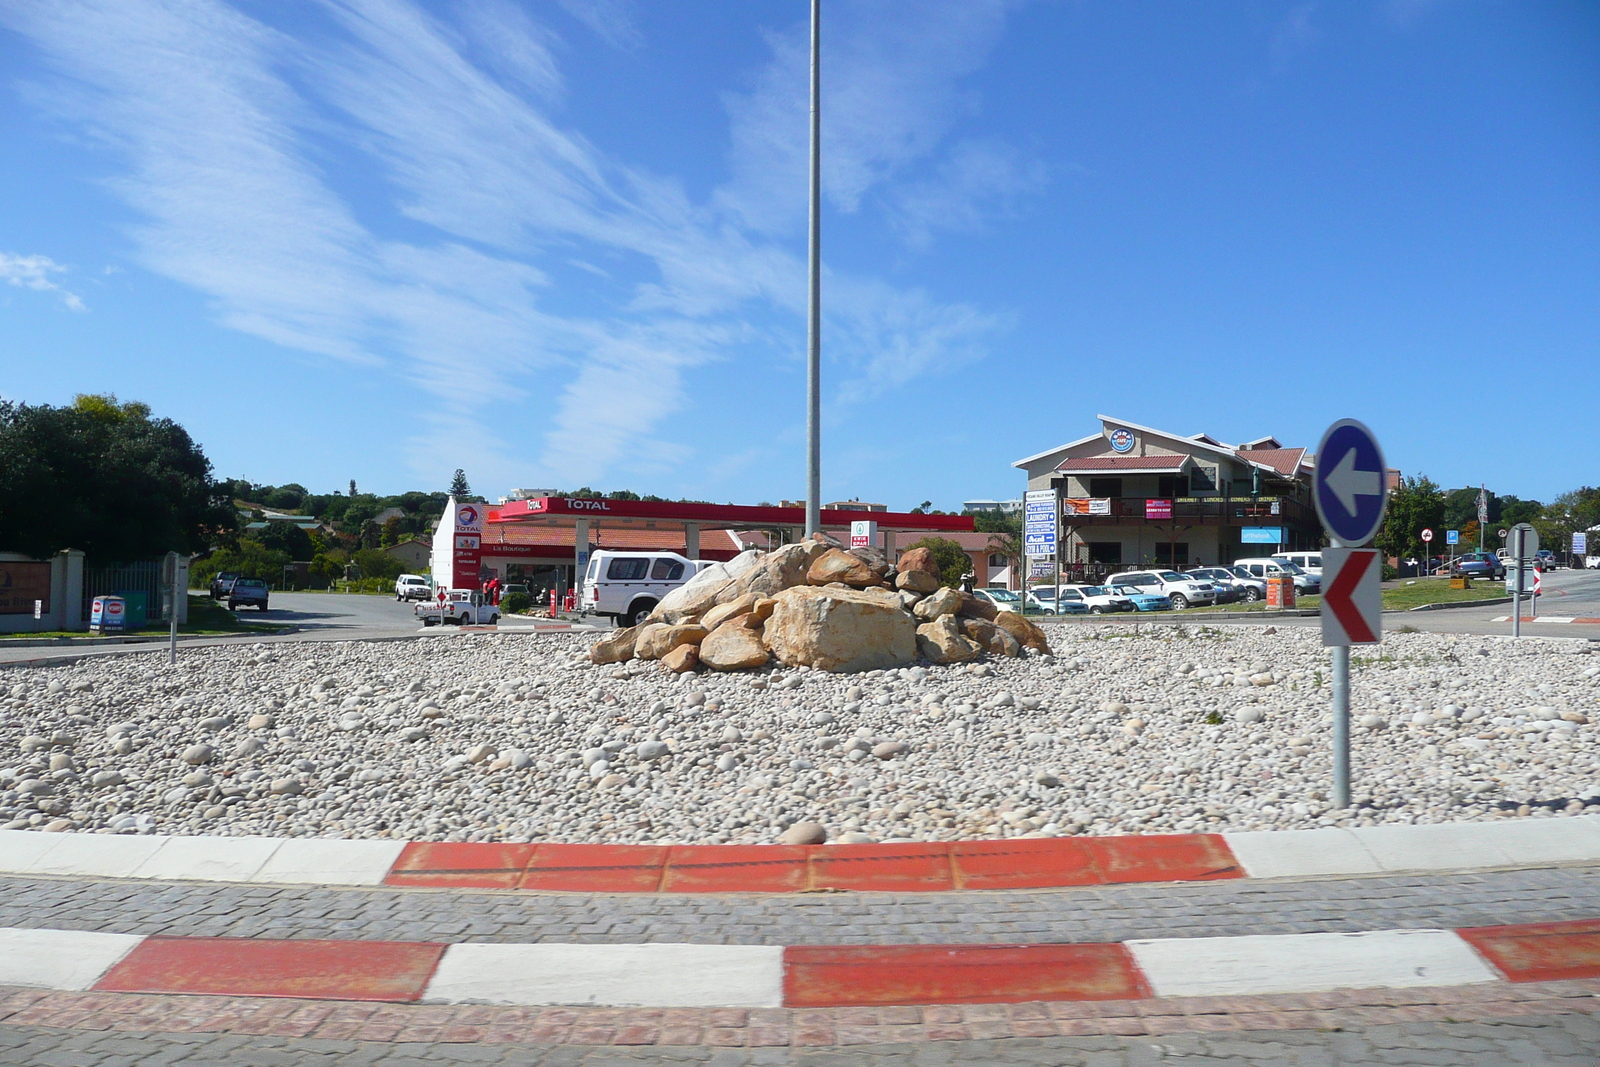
(1540, 952)
(309, 970)
(909, 867)
(869, 975)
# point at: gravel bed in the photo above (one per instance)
(517, 737)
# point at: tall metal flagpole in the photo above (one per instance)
(814, 300)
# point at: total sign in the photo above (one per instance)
(466, 560)
(469, 518)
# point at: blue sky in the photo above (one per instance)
(562, 242)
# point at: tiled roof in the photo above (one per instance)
(1123, 463)
(1286, 461)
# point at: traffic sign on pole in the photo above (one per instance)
(1427, 535)
(1452, 537)
(1351, 488)
(1352, 601)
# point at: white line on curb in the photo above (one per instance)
(60, 959)
(663, 976)
(1307, 963)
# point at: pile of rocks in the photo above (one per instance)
(816, 604)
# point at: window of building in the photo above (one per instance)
(1170, 485)
(1105, 551)
(1202, 479)
(627, 570)
(997, 561)
(1105, 486)
(1164, 553)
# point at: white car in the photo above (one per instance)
(1310, 562)
(1267, 567)
(412, 587)
(1011, 600)
(1097, 598)
(627, 586)
(1181, 589)
(461, 607)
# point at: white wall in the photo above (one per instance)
(65, 610)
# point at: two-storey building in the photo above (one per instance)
(1133, 496)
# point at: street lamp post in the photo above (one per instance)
(814, 296)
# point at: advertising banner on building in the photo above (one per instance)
(1086, 506)
(1261, 535)
(21, 584)
(1158, 509)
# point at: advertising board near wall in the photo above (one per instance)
(1158, 509)
(1261, 535)
(1100, 505)
(21, 584)
(466, 558)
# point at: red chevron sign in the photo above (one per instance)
(1352, 602)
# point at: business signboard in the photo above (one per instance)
(1158, 509)
(21, 584)
(1100, 505)
(863, 533)
(1261, 535)
(1039, 522)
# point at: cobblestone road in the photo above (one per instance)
(1101, 913)
(1549, 1041)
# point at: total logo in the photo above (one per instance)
(467, 515)
(1121, 440)
(588, 505)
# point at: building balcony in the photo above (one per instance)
(1200, 511)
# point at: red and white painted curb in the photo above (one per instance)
(1546, 618)
(758, 976)
(908, 866)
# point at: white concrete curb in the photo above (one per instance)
(303, 860)
(658, 976)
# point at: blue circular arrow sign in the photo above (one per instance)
(1352, 483)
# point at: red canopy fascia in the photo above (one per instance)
(718, 516)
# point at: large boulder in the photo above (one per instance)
(989, 637)
(734, 646)
(941, 641)
(835, 565)
(944, 601)
(657, 639)
(699, 594)
(614, 647)
(778, 570)
(915, 581)
(723, 612)
(1027, 634)
(977, 608)
(681, 659)
(840, 629)
(918, 559)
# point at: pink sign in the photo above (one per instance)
(1158, 509)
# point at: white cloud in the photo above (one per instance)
(221, 125)
(979, 181)
(33, 272)
(613, 20)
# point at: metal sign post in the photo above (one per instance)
(1524, 543)
(172, 629)
(1351, 491)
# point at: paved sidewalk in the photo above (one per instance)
(1493, 1026)
(1089, 913)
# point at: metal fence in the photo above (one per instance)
(142, 577)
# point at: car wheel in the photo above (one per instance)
(1096, 609)
(263, 607)
(1252, 595)
(493, 619)
(635, 613)
(1179, 601)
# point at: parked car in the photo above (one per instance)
(463, 607)
(251, 592)
(1228, 587)
(1267, 567)
(222, 584)
(1478, 565)
(1096, 598)
(1239, 585)
(1053, 603)
(1544, 559)
(1140, 599)
(627, 586)
(515, 587)
(1310, 562)
(1181, 589)
(412, 587)
(1011, 600)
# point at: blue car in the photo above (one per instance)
(1144, 601)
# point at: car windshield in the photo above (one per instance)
(1129, 590)
(1173, 576)
(1288, 568)
(250, 583)
(1094, 590)
(1002, 594)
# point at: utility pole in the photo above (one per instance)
(814, 297)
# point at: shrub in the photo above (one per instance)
(515, 604)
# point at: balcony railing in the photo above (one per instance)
(1211, 510)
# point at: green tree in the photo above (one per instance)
(107, 478)
(287, 538)
(951, 559)
(248, 557)
(1565, 515)
(1416, 504)
(377, 564)
(460, 488)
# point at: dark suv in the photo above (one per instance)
(222, 584)
(1478, 565)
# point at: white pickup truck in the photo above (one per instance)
(628, 585)
(463, 607)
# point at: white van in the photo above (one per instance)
(1271, 567)
(627, 586)
(1310, 562)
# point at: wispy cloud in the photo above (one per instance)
(1295, 34)
(613, 20)
(222, 125)
(34, 272)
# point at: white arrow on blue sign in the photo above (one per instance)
(1352, 486)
